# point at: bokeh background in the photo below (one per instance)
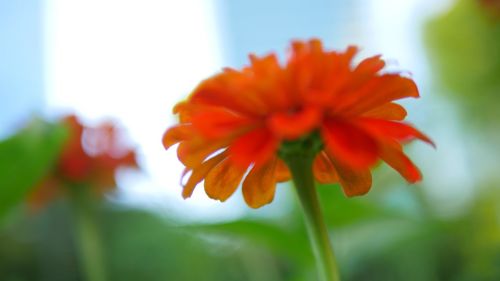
(133, 60)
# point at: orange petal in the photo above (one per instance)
(282, 173)
(393, 130)
(377, 92)
(391, 87)
(177, 134)
(186, 110)
(191, 153)
(388, 111)
(365, 71)
(219, 123)
(393, 155)
(199, 173)
(223, 179)
(323, 169)
(259, 185)
(229, 89)
(257, 146)
(370, 65)
(295, 125)
(350, 145)
(353, 182)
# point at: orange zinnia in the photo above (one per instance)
(90, 156)
(239, 120)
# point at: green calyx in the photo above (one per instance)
(307, 146)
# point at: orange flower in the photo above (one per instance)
(89, 156)
(237, 121)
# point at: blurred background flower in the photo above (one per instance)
(132, 60)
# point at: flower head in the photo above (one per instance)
(234, 123)
(90, 156)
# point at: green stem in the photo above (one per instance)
(302, 174)
(88, 239)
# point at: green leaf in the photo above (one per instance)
(25, 159)
(287, 239)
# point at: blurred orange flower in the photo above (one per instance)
(237, 121)
(90, 156)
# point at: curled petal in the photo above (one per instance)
(177, 134)
(260, 184)
(222, 180)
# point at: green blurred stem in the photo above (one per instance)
(88, 238)
(302, 174)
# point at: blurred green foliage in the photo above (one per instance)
(25, 159)
(464, 49)
(139, 245)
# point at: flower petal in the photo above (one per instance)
(259, 185)
(294, 125)
(199, 173)
(393, 155)
(282, 173)
(377, 92)
(191, 153)
(219, 123)
(388, 111)
(230, 89)
(323, 169)
(390, 87)
(257, 146)
(177, 134)
(353, 182)
(350, 144)
(394, 130)
(223, 179)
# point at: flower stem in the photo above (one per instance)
(302, 174)
(88, 239)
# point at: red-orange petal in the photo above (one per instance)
(282, 173)
(222, 180)
(259, 185)
(377, 92)
(219, 123)
(399, 131)
(351, 145)
(393, 155)
(323, 169)
(177, 134)
(229, 89)
(392, 87)
(294, 125)
(191, 153)
(199, 173)
(353, 182)
(388, 111)
(257, 146)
